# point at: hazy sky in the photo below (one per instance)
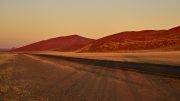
(26, 21)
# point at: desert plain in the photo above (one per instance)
(33, 77)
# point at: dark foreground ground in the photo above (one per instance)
(34, 78)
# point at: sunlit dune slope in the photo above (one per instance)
(137, 40)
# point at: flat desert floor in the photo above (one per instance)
(25, 77)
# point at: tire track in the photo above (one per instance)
(130, 86)
(102, 85)
(72, 91)
(160, 85)
(111, 88)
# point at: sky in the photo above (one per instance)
(27, 21)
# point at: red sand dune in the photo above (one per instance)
(137, 40)
(65, 43)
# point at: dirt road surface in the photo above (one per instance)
(33, 78)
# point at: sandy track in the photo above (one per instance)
(28, 77)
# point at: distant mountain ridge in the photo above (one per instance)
(4, 49)
(64, 43)
(137, 40)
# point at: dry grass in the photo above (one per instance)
(4, 57)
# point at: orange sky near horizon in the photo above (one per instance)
(26, 21)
